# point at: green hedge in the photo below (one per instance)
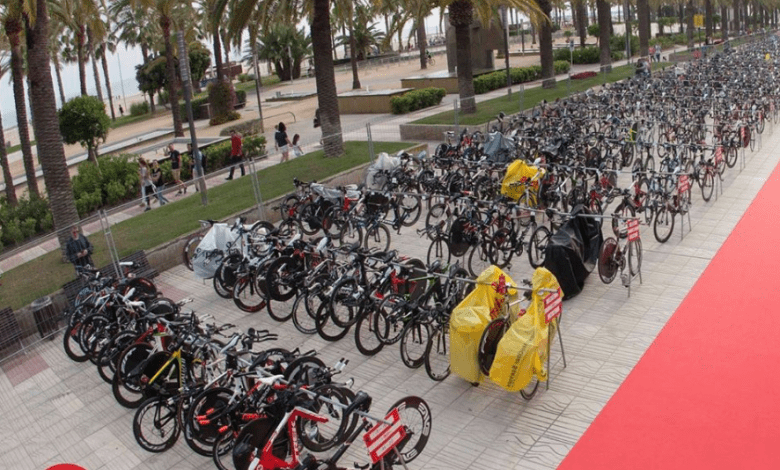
(31, 216)
(115, 181)
(586, 55)
(250, 127)
(417, 99)
(495, 80)
(240, 98)
(139, 109)
(218, 156)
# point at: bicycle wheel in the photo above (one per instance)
(304, 370)
(436, 215)
(437, 354)
(619, 224)
(70, 342)
(279, 278)
(707, 186)
(222, 451)
(346, 302)
(205, 416)
(663, 226)
(247, 296)
(537, 246)
(377, 238)
(390, 318)
(320, 437)
(488, 343)
(409, 209)
(366, 339)
(500, 250)
(732, 153)
(350, 234)
(325, 326)
(753, 140)
(479, 259)
(126, 385)
(414, 342)
(301, 319)
(608, 266)
(288, 206)
(439, 250)
(332, 221)
(109, 354)
(310, 218)
(188, 252)
(225, 276)
(649, 165)
(155, 426)
(635, 257)
(416, 419)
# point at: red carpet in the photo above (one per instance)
(706, 394)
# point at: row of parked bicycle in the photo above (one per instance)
(242, 407)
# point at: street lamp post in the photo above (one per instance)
(506, 49)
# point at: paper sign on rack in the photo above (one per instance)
(383, 437)
(552, 305)
(633, 230)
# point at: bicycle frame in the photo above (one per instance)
(266, 459)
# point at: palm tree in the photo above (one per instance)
(545, 42)
(134, 28)
(78, 16)
(10, 190)
(643, 13)
(325, 78)
(14, 26)
(47, 131)
(461, 15)
(604, 19)
(214, 11)
(56, 48)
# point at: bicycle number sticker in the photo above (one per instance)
(633, 230)
(552, 306)
(382, 438)
(683, 184)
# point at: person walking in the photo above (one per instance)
(658, 52)
(121, 110)
(236, 153)
(282, 141)
(175, 157)
(197, 156)
(147, 185)
(157, 181)
(79, 249)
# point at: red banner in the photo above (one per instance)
(552, 306)
(633, 230)
(718, 155)
(683, 184)
(383, 437)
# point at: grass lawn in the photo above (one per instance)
(510, 104)
(46, 274)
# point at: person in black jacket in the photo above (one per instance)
(79, 249)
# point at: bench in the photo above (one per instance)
(10, 332)
(142, 268)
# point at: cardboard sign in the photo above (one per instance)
(382, 438)
(553, 306)
(718, 155)
(633, 230)
(683, 185)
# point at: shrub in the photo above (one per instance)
(222, 98)
(617, 43)
(494, 80)
(250, 127)
(221, 119)
(139, 109)
(417, 99)
(217, 155)
(244, 77)
(114, 182)
(254, 146)
(31, 216)
(587, 55)
(199, 108)
(240, 98)
(561, 66)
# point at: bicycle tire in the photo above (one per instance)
(310, 218)
(70, 342)
(707, 186)
(635, 257)
(222, 451)
(321, 437)
(109, 354)
(410, 209)
(436, 215)
(377, 237)
(225, 276)
(537, 246)
(350, 234)
(300, 316)
(346, 302)
(732, 155)
(416, 418)
(366, 339)
(439, 249)
(414, 342)
(620, 227)
(501, 249)
(302, 371)
(188, 251)
(478, 260)
(388, 319)
(608, 267)
(200, 435)
(126, 386)
(663, 225)
(328, 330)
(437, 355)
(164, 425)
(287, 207)
(247, 296)
(488, 343)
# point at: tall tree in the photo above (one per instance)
(545, 41)
(78, 16)
(49, 142)
(604, 19)
(643, 17)
(13, 23)
(10, 189)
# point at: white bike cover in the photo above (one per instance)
(211, 250)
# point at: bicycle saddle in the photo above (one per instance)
(362, 402)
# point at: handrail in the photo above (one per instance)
(281, 114)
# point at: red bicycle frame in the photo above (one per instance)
(266, 460)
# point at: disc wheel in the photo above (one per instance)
(608, 266)
(537, 246)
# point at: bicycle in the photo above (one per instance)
(614, 258)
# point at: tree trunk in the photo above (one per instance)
(332, 139)
(582, 21)
(57, 67)
(258, 85)
(104, 62)
(545, 41)
(173, 89)
(461, 17)
(708, 18)
(218, 54)
(689, 25)
(353, 54)
(13, 27)
(50, 150)
(724, 23)
(604, 17)
(10, 190)
(737, 15)
(226, 47)
(422, 40)
(643, 17)
(81, 60)
(91, 54)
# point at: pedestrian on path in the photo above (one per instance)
(175, 157)
(157, 181)
(658, 53)
(295, 147)
(147, 185)
(236, 153)
(282, 141)
(79, 249)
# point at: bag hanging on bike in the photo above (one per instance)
(466, 327)
(516, 172)
(522, 352)
(210, 250)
